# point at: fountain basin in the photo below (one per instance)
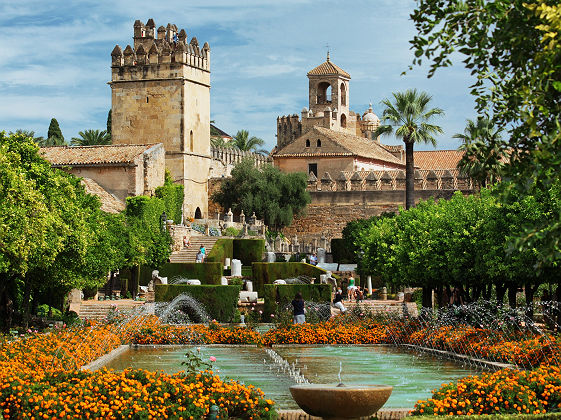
(333, 401)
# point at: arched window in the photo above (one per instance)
(191, 145)
(318, 143)
(343, 95)
(343, 121)
(307, 143)
(198, 214)
(324, 93)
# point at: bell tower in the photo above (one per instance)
(329, 94)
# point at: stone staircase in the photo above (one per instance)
(93, 309)
(188, 255)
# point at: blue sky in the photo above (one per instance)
(55, 59)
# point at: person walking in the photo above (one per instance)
(298, 308)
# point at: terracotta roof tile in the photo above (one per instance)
(327, 68)
(93, 155)
(437, 159)
(109, 203)
(341, 144)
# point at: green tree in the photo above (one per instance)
(54, 131)
(484, 152)
(91, 138)
(243, 142)
(513, 50)
(411, 116)
(273, 195)
(109, 118)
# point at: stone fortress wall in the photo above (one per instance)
(337, 200)
(363, 194)
(225, 158)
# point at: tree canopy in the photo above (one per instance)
(273, 195)
(513, 49)
(243, 141)
(54, 237)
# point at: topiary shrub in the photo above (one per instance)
(221, 302)
(231, 231)
(281, 294)
(267, 273)
(222, 249)
(207, 273)
(249, 250)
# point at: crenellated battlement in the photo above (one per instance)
(425, 180)
(163, 53)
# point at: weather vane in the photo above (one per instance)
(327, 46)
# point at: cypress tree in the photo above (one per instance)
(109, 123)
(54, 130)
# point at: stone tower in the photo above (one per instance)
(160, 93)
(328, 94)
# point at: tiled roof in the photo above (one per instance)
(339, 144)
(437, 159)
(328, 68)
(109, 203)
(93, 155)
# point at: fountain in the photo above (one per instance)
(184, 309)
(340, 401)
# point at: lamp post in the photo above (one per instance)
(164, 219)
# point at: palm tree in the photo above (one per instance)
(243, 142)
(484, 153)
(91, 138)
(410, 116)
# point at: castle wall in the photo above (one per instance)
(154, 168)
(332, 165)
(147, 112)
(117, 180)
(330, 211)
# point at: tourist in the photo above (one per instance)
(186, 242)
(298, 308)
(202, 250)
(359, 295)
(314, 259)
(200, 257)
(338, 301)
(351, 288)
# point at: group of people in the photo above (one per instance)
(353, 291)
(201, 254)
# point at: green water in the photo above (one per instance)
(413, 377)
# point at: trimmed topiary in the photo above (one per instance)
(207, 273)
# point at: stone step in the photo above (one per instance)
(189, 255)
(100, 309)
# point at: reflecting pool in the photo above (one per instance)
(413, 376)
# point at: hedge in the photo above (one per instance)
(222, 249)
(267, 273)
(221, 302)
(281, 294)
(249, 250)
(207, 273)
(246, 250)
